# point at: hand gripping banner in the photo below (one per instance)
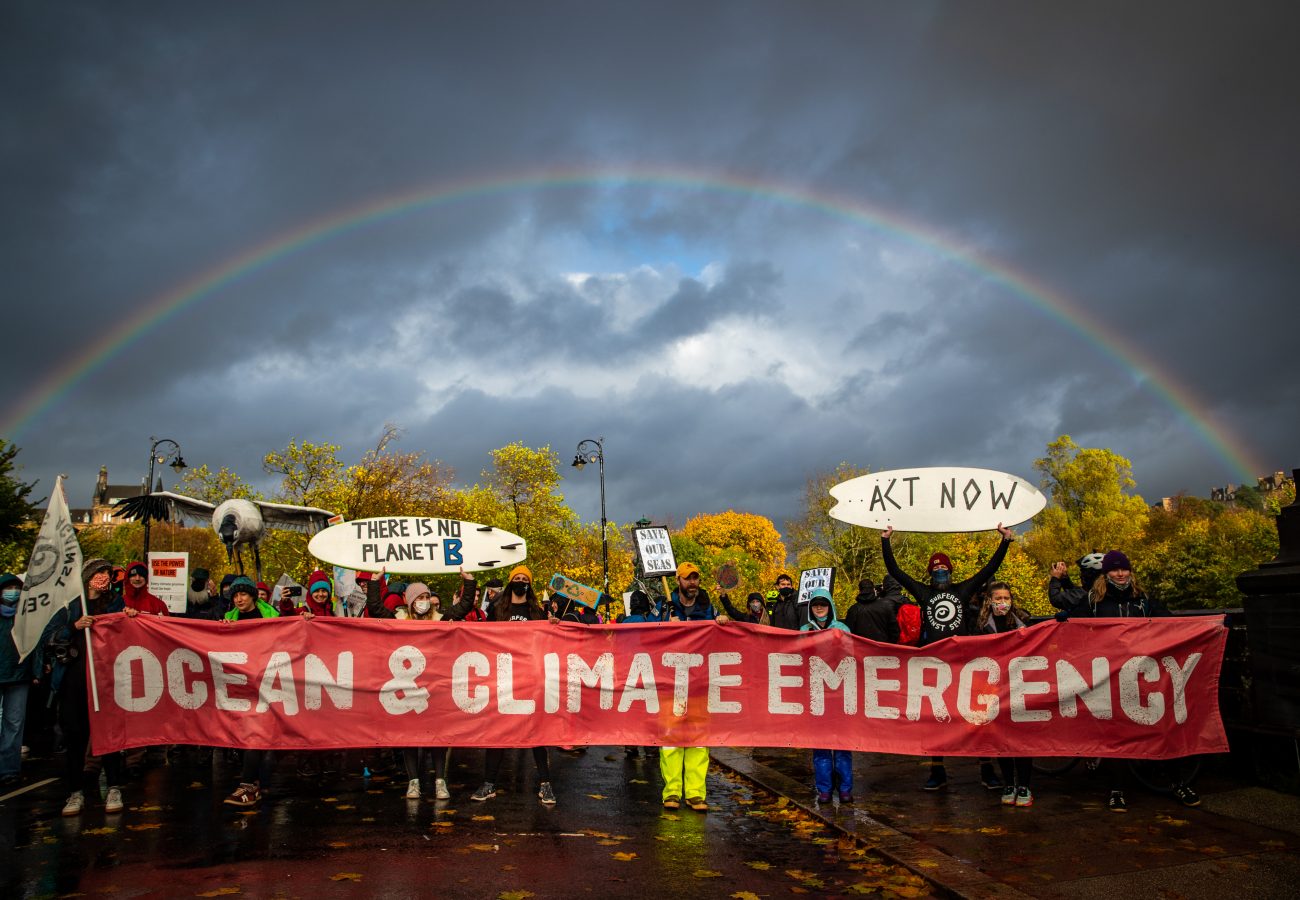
(1123, 687)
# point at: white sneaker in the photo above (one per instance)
(74, 804)
(413, 789)
(113, 802)
(440, 789)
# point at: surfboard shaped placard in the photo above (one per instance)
(936, 499)
(403, 544)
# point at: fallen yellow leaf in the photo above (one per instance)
(606, 842)
(220, 892)
(759, 864)
(338, 845)
(346, 876)
(484, 819)
(482, 848)
(515, 895)
(927, 864)
(329, 799)
(107, 829)
(706, 873)
(624, 857)
(343, 806)
(145, 826)
(596, 796)
(744, 895)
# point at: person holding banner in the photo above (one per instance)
(944, 614)
(243, 593)
(517, 603)
(755, 609)
(685, 769)
(15, 679)
(64, 644)
(786, 612)
(135, 592)
(1000, 612)
(828, 765)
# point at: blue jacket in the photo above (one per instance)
(699, 611)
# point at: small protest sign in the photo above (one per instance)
(812, 579)
(169, 575)
(579, 593)
(655, 551)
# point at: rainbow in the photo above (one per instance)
(61, 381)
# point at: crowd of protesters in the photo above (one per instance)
(903, 610)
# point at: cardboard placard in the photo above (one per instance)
(655, 551)
(812, 579)
(169, 579)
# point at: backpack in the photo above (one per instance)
(909, 624)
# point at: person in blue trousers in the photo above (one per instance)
(829, 766)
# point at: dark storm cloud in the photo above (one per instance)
(1136, 159)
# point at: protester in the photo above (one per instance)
(135, 592)
(63, 645)
(785, 612)
(944, 605)
(320, 595)
(873, 616)
(1000, 611)
(1116, 595)
(755, 610)
(246, 607)
(201, 597)
(420, 606)
(1062, 593)
(517, 603)
(15, 681)
(829, 766)
(685, 769)
(638, 609)
(906, 612)
(566, 609)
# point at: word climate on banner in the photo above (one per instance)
(936, 499)
(1133, 688)
(404, 544)
(655, 551)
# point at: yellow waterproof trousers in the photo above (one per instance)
(684, 770)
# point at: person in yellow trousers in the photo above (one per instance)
(685, 769)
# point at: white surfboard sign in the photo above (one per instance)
(404, 544)
(936, 499)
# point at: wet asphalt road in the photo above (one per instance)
(340, 834)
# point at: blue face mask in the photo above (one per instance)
(940, 576)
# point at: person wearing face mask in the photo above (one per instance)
(755, 609)
(785, 611)
(1000, 612)
(944, 614)
(517, 603)
(64, 647)
(422, 606)
(1116, 595)
(873, 616)
(15, 678)
(829, 766)
(685, 769)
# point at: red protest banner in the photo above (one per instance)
(1130, 688)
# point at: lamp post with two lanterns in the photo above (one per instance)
(177, 462)
(592, 450)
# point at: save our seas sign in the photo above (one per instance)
(1126, 687)
(404, 544)
(936, 499)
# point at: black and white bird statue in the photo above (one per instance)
(239, 523)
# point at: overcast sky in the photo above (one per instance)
(1136, 160)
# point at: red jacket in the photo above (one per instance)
(141, 600)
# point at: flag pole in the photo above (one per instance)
(90, 665)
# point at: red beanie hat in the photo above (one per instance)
(939, 559)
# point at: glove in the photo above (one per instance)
(1063, 615)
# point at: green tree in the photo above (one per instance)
(1193, 553)
(1091, 507)
(18, 513)
(817, 540)
(202, 483)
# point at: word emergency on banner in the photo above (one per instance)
(812, 579)
(1132, 688)
(169, 577)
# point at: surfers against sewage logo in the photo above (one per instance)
(943, 614)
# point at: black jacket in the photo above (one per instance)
(1119, 604)
(944, 611)
(787, 614)
(874, 618)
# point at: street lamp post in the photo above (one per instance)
(177, 464)
(587, 454)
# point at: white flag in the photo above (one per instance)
(53, 574)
